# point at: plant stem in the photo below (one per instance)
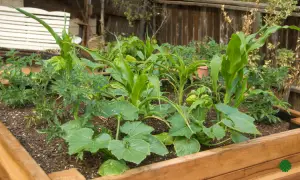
(118, 127)
(217, 143)
(180, 96)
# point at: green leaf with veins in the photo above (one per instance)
(163, 110)
(156, 146)
(82, 140)
(99, 142)
(112, 167)
(132, 150)
(136, 129)
(241, 121)
(180, 128)
(114, 108)
(238, 137)
(165, 138)
(218, 131)
(184, 146)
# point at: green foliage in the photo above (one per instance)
(267, 78)
(71, 99)
(184, 146)
(259, 104)
(112, 167)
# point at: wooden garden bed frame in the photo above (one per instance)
(257, 158)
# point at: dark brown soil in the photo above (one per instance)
(54, 156)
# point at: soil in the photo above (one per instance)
(54, 156)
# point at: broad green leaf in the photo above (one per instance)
(79, 140)
(126, 73)
(180, 128)
(163, 110)
(92, 65)
(138, 88)
(242, 122)
(114, 108)
(215, 66)
(184, 146)
(99, 142)
(262, 40)
(69, 127)
(112, 167)
(140, 55)
(208, 132)
(132, 150)
(234, 54)
(156, 146)
(82, 140)
(238, 137)
(155, 83)
(136, 129)
(218, 131)
(165, 138)
(228, 123)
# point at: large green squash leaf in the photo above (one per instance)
(238, 137)
(112, 167)
(184, 146)
(132, 150)
(180, 128)
(115, 108)
(82, 140)
(156, 146)
(165, 138)
(241, 121)
(136, 129)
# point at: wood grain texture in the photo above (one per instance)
(215, 162)
(262, 170)
(15, 161)
(71, 174)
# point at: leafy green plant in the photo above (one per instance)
(180, 73)
(259, 104)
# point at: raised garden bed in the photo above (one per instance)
(233, 161)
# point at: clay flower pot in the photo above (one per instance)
(202, 71)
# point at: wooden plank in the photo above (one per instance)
(208, 4)
(211, 163)
(295, 89)
(260, 170)
(279, 175)
(15, 160)
(222, 2)
(293, 112)
(71, 174)
(296, 121)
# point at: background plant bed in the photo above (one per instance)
(36, 69)
(53, 157)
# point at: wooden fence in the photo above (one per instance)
(196, 19)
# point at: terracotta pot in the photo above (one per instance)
(202, 71)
